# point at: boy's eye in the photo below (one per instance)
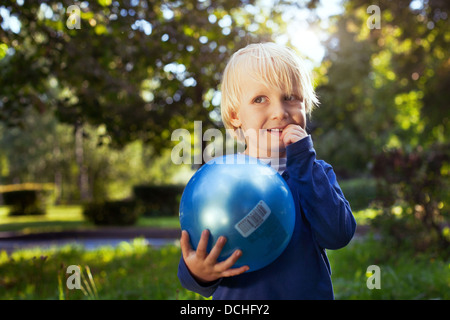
(260, 99)
(291, 98)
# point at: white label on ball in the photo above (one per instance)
(253, 220)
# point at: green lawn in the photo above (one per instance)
(403, 275)
(128, 271)
(59, 218)
(138, 271)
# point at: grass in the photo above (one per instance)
(60, 218)
(138, 271)
(403, 274)
(128, 271)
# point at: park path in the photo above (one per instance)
(90, 238)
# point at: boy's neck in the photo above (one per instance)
(266, 154)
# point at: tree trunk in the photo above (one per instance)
(83, 178)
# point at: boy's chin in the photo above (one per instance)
(273, 148)
(276, 146)
(278, 151)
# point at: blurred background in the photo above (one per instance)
(91, 91)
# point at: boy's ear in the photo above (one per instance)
(235, 120)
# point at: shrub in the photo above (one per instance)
(360, 192)
(413, 190)
(26, 198)
(123, 212)
(159, 200)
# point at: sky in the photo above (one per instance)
(306, 39)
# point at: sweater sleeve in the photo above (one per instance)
(321, 198)
(188, 282)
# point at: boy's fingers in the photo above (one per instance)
(234, 271)
(203, 244)
(292, 133)
(185, 244)
(286, 131)
(228, 263)
(216, 250)
(293, 137)
(293, 128)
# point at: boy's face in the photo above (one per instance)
(266, 115)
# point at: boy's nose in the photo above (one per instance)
(278, 111)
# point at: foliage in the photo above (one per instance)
(404, 274)
(132, 66)
(384, 111)
(26, 199)
(133, 72)
(60, 218)
(24, 202)
(129, 271)
(159, 200)
(107, 213)
(50, 145)
(137, 271)
(383, 88)
(38, 152)
(417, 181)
(359, 192)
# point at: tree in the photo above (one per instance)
(384, 88)
(385, 111)
(141, 68)
(138, 69)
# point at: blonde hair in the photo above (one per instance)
(272, 65)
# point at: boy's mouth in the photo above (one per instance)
(275, 131)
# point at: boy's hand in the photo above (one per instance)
(203, 266)
(292, 133)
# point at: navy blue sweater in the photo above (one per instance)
(323, 221)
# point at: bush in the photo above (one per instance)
(159, 200)
(124, 212)
(26, 198)
(413, 190)
(359, 192)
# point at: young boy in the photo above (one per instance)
(266, 89)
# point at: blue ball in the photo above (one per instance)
(246, 201)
